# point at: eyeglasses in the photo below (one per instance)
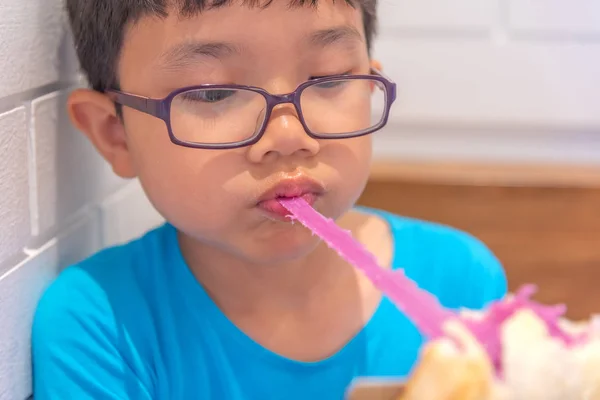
(233, 116)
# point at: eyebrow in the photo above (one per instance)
(186, 53)
(189, 52)
(341, 34)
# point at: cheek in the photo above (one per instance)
(350, 159)
(362, 150)
(185, 185)
(358, 159)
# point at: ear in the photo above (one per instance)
(376, 65)
(94, 114)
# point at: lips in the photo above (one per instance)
(306, 188)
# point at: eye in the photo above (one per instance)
(331, 84)
(209, 95)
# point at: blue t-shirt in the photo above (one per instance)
(132, 322)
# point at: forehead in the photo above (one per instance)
(277, 18)
(258, 31)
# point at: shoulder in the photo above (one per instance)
(92, 327)
(101, 293)
(455, 265)
(92, 281)
(116, 267)
(418, 238)
(75, 308)
(84, 294)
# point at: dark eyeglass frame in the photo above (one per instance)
(161, 108)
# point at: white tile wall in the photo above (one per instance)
(461, 15)
(55, 191)
(70, 174)
(478, 80)
(503, 80)
(553, 16)
(473, 82)
(34, 46)
(22, 286)
(14, 185)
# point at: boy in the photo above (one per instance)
(229, 300)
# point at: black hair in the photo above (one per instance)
(98, 27)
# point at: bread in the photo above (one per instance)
(536, 366)
(453, 368)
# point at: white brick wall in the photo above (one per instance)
(64, 160)
(506, 80)
(33, 50)
(552, 18)
(400, 17)
(59, 201)
(14, 186)
(19, 291)
(492, 80)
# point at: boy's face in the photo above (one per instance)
(215, 195)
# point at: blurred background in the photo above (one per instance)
(496, 131)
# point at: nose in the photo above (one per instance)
(284, 137)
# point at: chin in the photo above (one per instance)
(290, 244)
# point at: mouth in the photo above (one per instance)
(307, 189)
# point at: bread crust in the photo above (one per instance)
(452, 368)
(537, 366)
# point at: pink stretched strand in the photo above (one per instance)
(421, 307)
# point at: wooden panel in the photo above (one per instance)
(544, 235)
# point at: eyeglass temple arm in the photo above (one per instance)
(139, 103)
(392, 88)
(375, 71)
